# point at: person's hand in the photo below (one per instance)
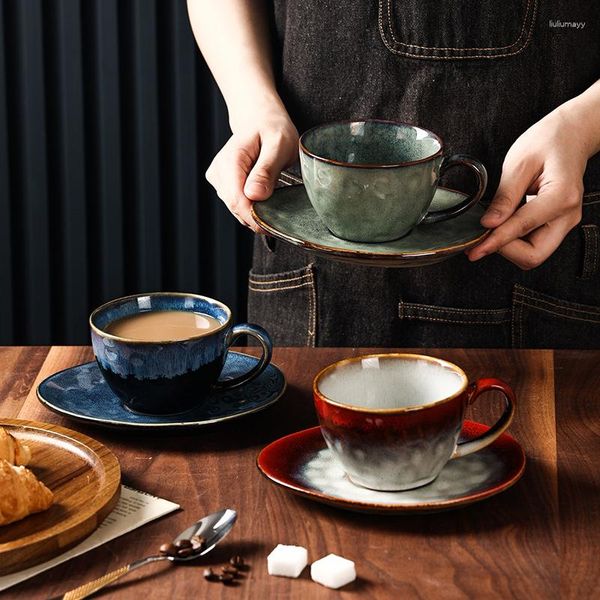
(546, 165)
(246, 168)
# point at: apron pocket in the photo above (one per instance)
(456, 30)
(553, 322)
(455, 327)
(285, 304)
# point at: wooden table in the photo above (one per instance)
(540, 539)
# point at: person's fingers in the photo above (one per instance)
(241, 208)
(546, 206)
(275, 154)
(240, 205)
(222, 187)
(245, 212)
(539, 245)
(228, 174)
(517, 176)
(238, 164)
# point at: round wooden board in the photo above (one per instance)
(85, 478)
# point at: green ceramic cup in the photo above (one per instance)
(373, 181)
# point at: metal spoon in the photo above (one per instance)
(213, 528)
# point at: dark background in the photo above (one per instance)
(108, 120)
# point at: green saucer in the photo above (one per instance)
(288, 215)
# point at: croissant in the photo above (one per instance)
(21, 494)
(12, 450)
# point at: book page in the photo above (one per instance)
(133, 510)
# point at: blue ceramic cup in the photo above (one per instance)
(373, 181)
(167, 377)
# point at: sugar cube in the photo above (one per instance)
(287, 561)
(333, 571)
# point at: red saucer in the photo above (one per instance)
(302, 463)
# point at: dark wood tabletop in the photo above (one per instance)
(539, 539)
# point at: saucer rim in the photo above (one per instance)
(386, 508)
(365, 255)
(110, 423)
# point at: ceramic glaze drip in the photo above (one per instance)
(323, 474)
(82, 393)
(376, 383)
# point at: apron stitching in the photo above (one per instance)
(565, 316)
(585, 271)
(278, 289)
(589, 251)
(520, 325)
(311, 316)
(312, 312)
(533, 301)
(594, 244)
(595, 251)
(404, 312)
(516, 333)
(490, 49)
(433, 308)
(521, 308)
(271, 281)
(521, 34)
(456, 321)
(413, 55)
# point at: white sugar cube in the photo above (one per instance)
(333, 571)
(287, 561)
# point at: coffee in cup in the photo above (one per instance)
(373, 181)
(162, 353)
(393, 420)
(158, 325)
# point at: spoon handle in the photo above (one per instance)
(87, 589)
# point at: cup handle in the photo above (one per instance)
(264, 339)
(475, 390)
(458, 160)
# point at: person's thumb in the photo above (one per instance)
(263, 176)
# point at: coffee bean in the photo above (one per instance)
(231, 570)
(237, 561)
(183, 552)
(183, 544)
(226, 578)
(168, 550)
(210, 575)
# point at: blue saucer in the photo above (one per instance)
(81, 393)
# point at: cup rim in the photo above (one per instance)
(391, 355)
(340, 163)
(119, 338)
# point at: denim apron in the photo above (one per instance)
(478, 73)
